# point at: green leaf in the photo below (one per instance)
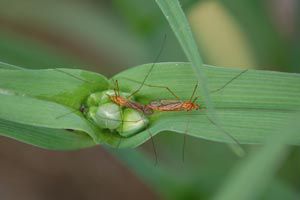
(251, 107)
(48, 138)
(258, 169)
(48, 99)
(54, 139)
(180, 26)
(65, 86)
(35, 112)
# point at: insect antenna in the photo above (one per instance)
(155, 86)
(151, 68)
(195, 99)
(194, 91)
(118, 89)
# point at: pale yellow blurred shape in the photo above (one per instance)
(221, 39)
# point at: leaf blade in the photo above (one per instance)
(252, 107)
(255, 172)
(52, 139)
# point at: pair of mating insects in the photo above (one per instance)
(165, 105)
(160, 105)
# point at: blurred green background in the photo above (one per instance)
(110, 36)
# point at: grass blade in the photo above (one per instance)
(257, 171)
(53, 139)
(251, 107)
(180, 26)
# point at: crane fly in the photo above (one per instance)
(126, 102)
(175, 104)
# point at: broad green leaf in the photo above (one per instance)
(49, 99)
(65, 86)
(251, 107)
(35, 112)
(54, 139)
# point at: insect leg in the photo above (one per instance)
(184, 140)
(235, 77)
(63, 115)
(155, 86)
(122, 124)
(153, 146)
(151, 68)
(64, 72)
(240, 148)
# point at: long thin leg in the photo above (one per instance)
(155, 86)
(237, 76)
(61, 71)
(122, 125)
(184, 140)
(229, 135)
(63, 115)
(153, 146)
(151, 68)
(116, 92)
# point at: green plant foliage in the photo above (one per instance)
(41, 98)
(257, 171)
(180, 26)
(48, 138)
(251, 107)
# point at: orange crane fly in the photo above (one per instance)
(176, 105)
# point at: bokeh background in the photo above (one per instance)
(108, 36)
